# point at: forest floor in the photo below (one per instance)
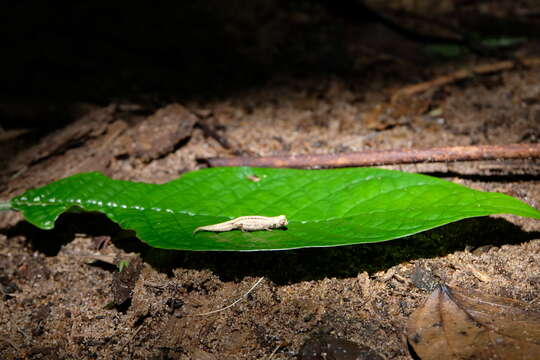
(57, 286)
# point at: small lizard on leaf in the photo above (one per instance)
(247, 223)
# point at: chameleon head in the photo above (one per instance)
(282, 220)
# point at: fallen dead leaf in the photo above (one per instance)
(455, 324)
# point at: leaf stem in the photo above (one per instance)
(5, 206)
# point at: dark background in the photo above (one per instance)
(100, 51)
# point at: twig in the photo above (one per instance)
(23, 333)
(386, 157)
(274, 352)
(154, 285)
(130, 340)
(462, 74)
(235, 302)
(208, 131)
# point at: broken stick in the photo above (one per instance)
(462, 74)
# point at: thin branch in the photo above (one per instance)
(208, 131)
(386, 157)
(274, 352)
(462, 74)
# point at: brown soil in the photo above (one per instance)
(62, 297)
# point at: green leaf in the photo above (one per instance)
(122, 264)
(324, 207)
(445, 50)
